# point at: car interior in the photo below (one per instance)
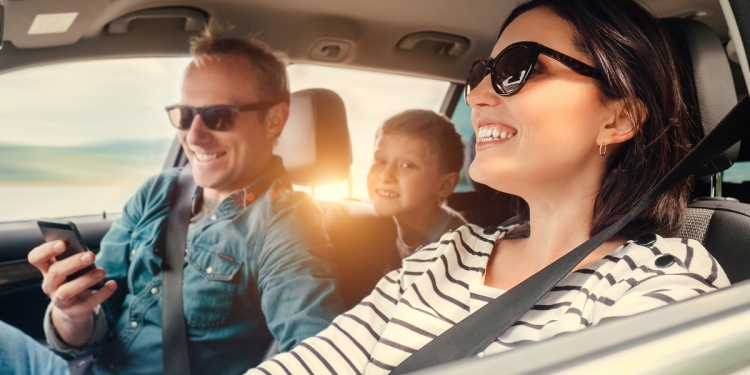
(422, 38)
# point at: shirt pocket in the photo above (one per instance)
(143, 261)
(209, 286)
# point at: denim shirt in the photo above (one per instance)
(256, 268)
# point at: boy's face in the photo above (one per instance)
(405, 177)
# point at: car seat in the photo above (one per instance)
(316, 149)
(721, 224)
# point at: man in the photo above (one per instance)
(255, 257)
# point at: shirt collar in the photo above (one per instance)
(241, 198)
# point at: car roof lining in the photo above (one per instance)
(290, 26)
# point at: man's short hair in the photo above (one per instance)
(436, 130)
(268, 67)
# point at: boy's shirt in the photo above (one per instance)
(448, 221)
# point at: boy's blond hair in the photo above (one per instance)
(436, 130)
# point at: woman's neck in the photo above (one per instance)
(415, 225)
(558, 227)
(559, 222)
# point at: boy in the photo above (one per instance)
(416, 166)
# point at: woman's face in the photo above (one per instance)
(554, 120)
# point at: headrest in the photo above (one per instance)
(701, 50)
(315, 145)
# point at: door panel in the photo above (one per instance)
(22, 302)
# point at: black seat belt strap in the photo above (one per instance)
(174, 329)
(477, 331)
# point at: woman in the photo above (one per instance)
(580, 115)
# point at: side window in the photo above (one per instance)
(462, 118)
(738, 173)
(80, 138)
(370, 98)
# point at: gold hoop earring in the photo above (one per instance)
(603, 151)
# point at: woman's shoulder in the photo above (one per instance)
(469, 245)
(652, 255)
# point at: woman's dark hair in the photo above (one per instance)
(436, 130)
(635, 55)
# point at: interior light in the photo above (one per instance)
(53, 23)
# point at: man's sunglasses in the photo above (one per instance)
(512, 66)
(216, 117)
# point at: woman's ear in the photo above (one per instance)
(276, 119)
(447, 184)
(623, 118)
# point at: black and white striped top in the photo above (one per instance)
(443, 283)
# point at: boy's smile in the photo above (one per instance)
(404, 176)
(386, 193)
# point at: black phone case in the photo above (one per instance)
(66, 231)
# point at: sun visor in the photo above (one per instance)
(37, 23)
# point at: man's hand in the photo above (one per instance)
(72, 302)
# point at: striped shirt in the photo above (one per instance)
(443, 283)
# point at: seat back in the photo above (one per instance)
(722, 225)
(316, 149)
(364, 246)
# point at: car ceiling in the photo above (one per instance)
(370, 30)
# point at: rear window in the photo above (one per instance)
(462, 118)
(738, 173)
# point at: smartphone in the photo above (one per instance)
(66, 231)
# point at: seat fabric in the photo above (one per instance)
(722, 225)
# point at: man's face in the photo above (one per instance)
(225, 161)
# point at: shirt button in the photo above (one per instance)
(209, 270)
(132, 253)
(134, 324)
(186, 250)
(214, 217)
(154, 290)
(647, 239)
(664, 261)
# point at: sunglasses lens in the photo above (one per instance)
(511, 69)
(181, 117)
(476, 75)
(218, 118)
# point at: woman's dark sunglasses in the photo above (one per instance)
(512, 66)
(216, 117)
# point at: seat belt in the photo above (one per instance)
(173, 327)
(477, 331)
